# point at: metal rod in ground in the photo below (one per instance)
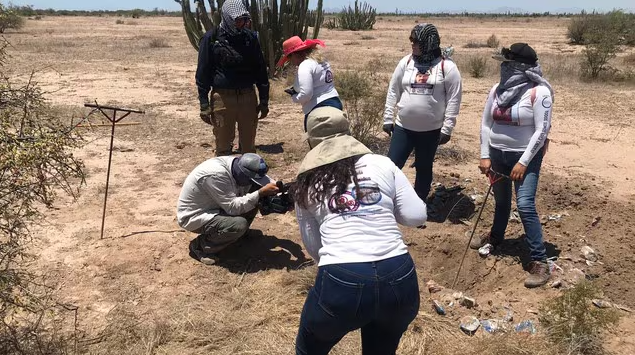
(467, 247)
(112, 138)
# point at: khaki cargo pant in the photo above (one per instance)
(238, 107)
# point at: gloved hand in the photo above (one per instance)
(444, 138)
(207, 114)
(263, 109)
(291, 91)
(389, 128)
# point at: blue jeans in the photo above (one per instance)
(331, 102)
(503, 162)
(380, 297)
(425, 146)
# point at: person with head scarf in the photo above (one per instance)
(313, 86)
(219, 200)
(514, 130)
(349, 204)
(426, 90)
(230, 62)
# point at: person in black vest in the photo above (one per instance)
(230, 62)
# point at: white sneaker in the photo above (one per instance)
(485, 250)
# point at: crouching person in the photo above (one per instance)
(219, 201)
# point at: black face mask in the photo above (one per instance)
(240, 177)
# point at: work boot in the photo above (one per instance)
(196, 250)
(479, 241)
(538, 274)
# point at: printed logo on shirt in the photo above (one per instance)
(343, 203)
(419, 84)
(506, 116)
(369, 194)
(545, 102)
(328, 78)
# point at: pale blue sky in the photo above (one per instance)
(403, 5)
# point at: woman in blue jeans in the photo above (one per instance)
(515, 125)
(349, 203)
(426, 90)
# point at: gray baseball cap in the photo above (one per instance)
(254, 167)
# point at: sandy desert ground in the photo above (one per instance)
(138, 290)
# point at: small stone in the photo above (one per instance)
(602, 303)
(556, 284)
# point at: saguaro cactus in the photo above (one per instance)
(274, 22)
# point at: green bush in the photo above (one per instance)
(574, 324)
(360, 17)
(10, 19)
(586, 29)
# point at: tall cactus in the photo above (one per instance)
(274, 23)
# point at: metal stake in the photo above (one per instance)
(113, 120)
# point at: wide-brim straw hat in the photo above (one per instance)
(329, 136)
(296, 44)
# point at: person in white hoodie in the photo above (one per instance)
(426, 90)
(313, 86)
(349, 204)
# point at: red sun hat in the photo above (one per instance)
(296, 44)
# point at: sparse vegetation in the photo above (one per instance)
(475, 44)
(159, 43)
(587, 28)
(356, 18)
(600, 49)
(493, 42)
(10, 19)
(120, 22)
(36, 163)
(477, 66)
(363, 101)
(574, 324)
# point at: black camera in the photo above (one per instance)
(282, 202)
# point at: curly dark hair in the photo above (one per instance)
(316, 185)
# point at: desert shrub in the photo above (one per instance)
(601, 48)
(36, 163)
(10, 19)
(136, 13)
(477, 66)
(586, 29)
(363, 102)
(359, 17)
(120, 22)
(577, 29)
(492, 41)
(366, 38)
(159, 43)
(574, 324)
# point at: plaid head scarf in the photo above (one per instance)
(231, 10)
(427, 37)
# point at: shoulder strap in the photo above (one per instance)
(533, 95)
(409, 59)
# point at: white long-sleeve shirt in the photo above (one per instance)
(425, 102)
(313, 84)
(368, 230)
(210, 189)
(521, 128)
